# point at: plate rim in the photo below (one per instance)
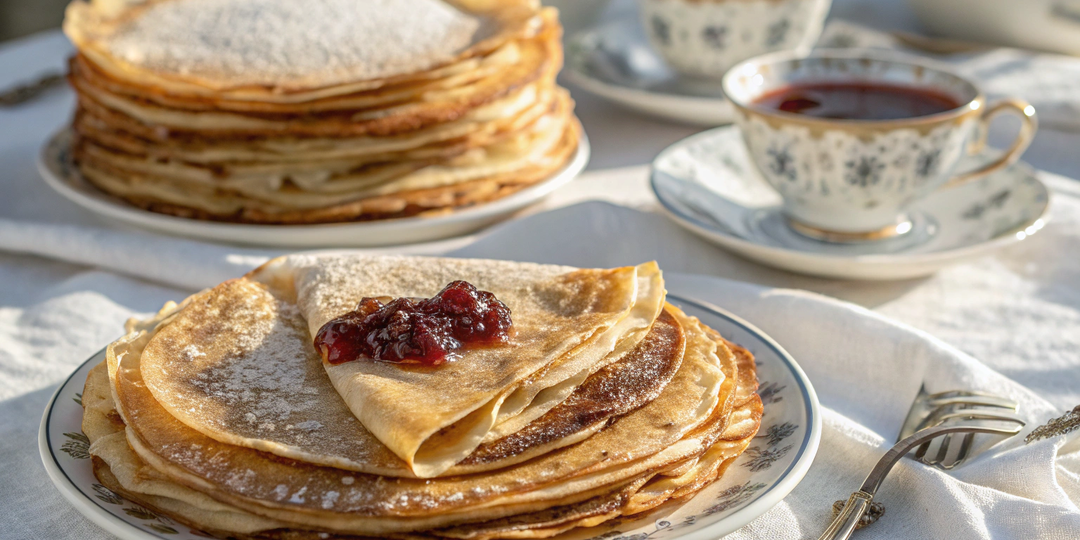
(762, 502)
(745, 246)
(71, 492)
(800, 465)
(90, 198)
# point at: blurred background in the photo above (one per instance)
(23, 17)
(1036, 24)
(958, 30)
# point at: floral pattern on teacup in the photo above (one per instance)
(706, 38)
(864, 178)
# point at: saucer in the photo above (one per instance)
(615, 61)
(707, 184)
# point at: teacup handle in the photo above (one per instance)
(1029, 123)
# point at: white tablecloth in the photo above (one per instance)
(69, 280)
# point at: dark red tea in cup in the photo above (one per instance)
(857, 101)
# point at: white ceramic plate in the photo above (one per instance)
(615, 61)
(56, 168)
(707, 184)
(772, 466)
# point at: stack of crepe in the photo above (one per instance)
(286, 112)
(606, 402)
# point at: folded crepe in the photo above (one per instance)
(184, 496)
(677, 426)
(604, 402)
(236, 363)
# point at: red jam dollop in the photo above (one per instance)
(416, 331)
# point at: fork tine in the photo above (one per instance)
(958, 410)
(957, 393)
(938, 456)
(961, 456)
(920, 454)
(943, 450)
(979, 414)
(987, 401)
(942, 414)
(926, 403)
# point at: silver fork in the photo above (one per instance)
(930, 410)
(941, 416)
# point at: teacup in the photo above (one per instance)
(853, 179)
(704, 38)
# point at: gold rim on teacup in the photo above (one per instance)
(871, 208)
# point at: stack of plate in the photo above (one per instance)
(282, 112)
(606, 401)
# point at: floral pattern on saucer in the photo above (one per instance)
(708, 184)
(772, 466)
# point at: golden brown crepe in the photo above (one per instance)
(219, 412)
(237, 363)
(110, 33)
(454, 105)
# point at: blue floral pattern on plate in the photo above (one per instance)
(770, 468)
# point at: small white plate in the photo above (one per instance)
(615, 61)
(772, 466)
(708, 185)
(59, 172)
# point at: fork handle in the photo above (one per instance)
(848, 519)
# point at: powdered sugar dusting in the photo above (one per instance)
(281, 41)
(263, 373)
(238, 365)
(191, 352)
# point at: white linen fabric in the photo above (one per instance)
(1019, 311)
(1008, 324)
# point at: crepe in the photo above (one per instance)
(281, 53)
(236, 341)
(532, 60)
(605, 402)
(193, 108)
(735, 437)
(301, 493)
(288, 407)
(530, 149)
